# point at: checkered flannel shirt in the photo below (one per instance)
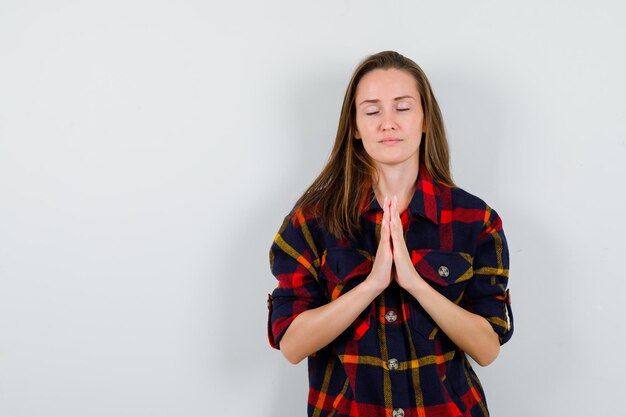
(394, 360)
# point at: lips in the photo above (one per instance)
(390, 141)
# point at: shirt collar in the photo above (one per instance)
(425, 201)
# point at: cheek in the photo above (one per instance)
(418, 120)
(364, 127)
(358, 124)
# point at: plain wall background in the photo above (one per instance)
(149, 151)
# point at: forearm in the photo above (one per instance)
(314, 329)
(470, 332)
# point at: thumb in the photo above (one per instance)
(385, 232)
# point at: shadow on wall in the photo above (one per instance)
(545, 339)
(317, 103)
(259, 371)
(252, 375)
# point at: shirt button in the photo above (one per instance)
(443, 271)
(398, 412)
(391, 316)
(393, 364)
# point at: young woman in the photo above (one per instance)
(389, 274)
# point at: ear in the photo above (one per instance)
(357, 135)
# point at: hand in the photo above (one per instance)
(380, 276)
(406, 275)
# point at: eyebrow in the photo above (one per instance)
(378, 101)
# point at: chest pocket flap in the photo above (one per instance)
(341, 265)
(443, 267)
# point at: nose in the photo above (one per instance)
(388, 122)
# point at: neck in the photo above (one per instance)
(396, 180)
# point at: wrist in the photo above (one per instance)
(418, 286)
(371, 287)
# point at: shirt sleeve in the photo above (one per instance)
(294, 262)
(487, 294)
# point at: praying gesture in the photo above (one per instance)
(393, 260)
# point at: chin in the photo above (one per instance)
(390, 161)
(395, 159)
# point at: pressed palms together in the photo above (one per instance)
(392, 257)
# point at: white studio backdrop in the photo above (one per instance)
(149, 151)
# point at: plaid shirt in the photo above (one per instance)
(394, 360)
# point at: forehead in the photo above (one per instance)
(384, 84)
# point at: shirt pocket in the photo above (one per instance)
(447, 272)
(343, 269)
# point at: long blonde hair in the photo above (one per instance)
(338, 194)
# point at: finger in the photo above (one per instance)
(386, 240)
(397, 231)
(385, 202)
(384, 230)
(394, 216)
(395, 206)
